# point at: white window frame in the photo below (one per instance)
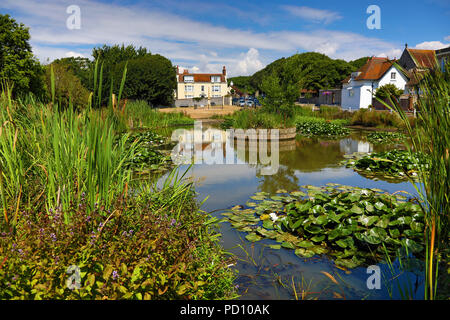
(189, 96)
(188, 79)
(216, 88)
(188, 88)
(215, 79)
(393, 75)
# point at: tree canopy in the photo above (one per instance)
(310, 70)
(151, 78)
(18, 66)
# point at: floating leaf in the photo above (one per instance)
(253, 237)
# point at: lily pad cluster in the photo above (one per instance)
(386, 137)
(149, 153)
(354, 226)
(321, 129)
(391, 165)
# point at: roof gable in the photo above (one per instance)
(423, 58)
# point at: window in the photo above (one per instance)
(189, 88)
(188, 78)
(216, 95)
(392, 75)
(203, 88)
(187, 96)
(216, 88)
(351, 93)
(215, 78)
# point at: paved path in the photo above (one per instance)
(203, 113)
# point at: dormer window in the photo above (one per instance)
(188, 78)
(215, 78)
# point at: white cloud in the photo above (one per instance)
(447, 38)
(74, 54)
(185, 41)
(432, 45)
(314, 15)
(249, 63)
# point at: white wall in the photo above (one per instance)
(350, 102)
(400, 80)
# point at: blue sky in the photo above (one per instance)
(242, 35)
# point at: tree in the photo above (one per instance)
(151, 78)
(80, 67)
(68, 87)
(108, 57)
(278, 98)
(388, 90)
(17, 63)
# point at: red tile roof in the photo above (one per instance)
(201, 77)
(423, 58)
(374, 69)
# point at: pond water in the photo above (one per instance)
(266, 273)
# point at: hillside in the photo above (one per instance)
(310, 70)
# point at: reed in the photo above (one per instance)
(431, 137)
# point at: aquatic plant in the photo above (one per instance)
(350, 224)
(393, 164)
(320, 128)
(381, 137)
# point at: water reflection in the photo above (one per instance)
(301, 161)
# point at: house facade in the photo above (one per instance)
(197, 85)
(359, 89)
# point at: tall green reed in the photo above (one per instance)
(431, 136)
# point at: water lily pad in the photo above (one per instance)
(304, 253)
(298, 194)
(318, 238)
(288, 245)
(368, 220)
(253, 237)
(357, 210)
(305, 244)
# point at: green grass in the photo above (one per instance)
(256, 118)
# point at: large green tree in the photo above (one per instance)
(151, 78)
(108, 58)
(18, 66)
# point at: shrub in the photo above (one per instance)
(139, 248)
(373, 118)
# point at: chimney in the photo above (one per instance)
(224, 71)
(178, 70)
(406, 46)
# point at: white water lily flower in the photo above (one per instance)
(273, 216)
(364, 192)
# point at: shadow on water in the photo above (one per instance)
(266, 273)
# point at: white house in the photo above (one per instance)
(359, 88)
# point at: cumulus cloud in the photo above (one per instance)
(249, 63)
(312, 14)
(432, 45)
(179, 38)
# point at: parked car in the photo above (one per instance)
(242, 103)
(250, 103)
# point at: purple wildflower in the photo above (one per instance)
(115, 275)
(172, 222)
(53, 236)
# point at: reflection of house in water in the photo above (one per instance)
(349, 146)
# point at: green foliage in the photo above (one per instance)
(65, 86)
(254, 119)
(396, 164)
(80, 67)
(310, 70)
(431, 137)
(139, 248)
(373, 118)
(379, 137)
(279, 97)
(388, 90)
(243, 83)
(308, 126)
(150, 78)
(140, 115)
(17, 63)
(354, 226)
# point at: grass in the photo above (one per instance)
(140, 115)
(256, 118)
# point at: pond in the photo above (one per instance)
(266, 273)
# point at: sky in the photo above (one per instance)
(244, 36)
